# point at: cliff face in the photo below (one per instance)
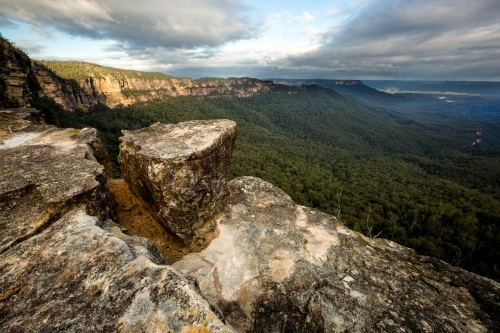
(113, 91)
(21, 79)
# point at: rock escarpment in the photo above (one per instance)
(114, 91)
(65, 265)
(21, 79)
(180, 171)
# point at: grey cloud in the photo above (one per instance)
(5, 21)
(32, 48)
(139, 24)
(413, 39)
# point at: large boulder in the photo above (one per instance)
(180, 172)
(63, 270)
(280, 267)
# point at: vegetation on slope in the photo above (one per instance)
(80, 70)
(419, 183)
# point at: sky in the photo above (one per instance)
(345, 39)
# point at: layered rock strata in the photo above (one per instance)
(21, 79)
(114, 91)
(280, 267)
(64, 270)
(180, 172)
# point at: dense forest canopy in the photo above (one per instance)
(419, 181)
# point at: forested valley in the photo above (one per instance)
(418, 181)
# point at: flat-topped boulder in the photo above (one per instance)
(280, 267)
(180, 172)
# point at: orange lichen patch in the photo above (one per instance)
(9, 293)
(134, 217)
(42, 221)
(196, 329)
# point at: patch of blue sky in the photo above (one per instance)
(47, 44)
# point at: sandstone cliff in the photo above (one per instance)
(87, 84)
(114, 86)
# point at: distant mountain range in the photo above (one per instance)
(483, 89)
(355, 88)
(446, 99)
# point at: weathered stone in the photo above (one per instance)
(273, 266)
(279, 267)
(180, 171)
(99, 151)
(45, 174)
(82, 275)
(62, 270)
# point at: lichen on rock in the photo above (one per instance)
(44, 177)
(180, 172)
(280, 267)
(83, 275)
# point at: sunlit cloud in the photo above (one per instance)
(411, 39)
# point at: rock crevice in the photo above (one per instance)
(65, 265)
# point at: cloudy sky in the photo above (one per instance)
(358, 39)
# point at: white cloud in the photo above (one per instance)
(147, 23)
(305, 17)
(31, 47)
(445, 39)
(333, 11)
(412, 39)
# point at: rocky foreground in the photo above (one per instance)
(67, 265)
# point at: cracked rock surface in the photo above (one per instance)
(280, 267)
(82, 275)
(63, 270)
(273, 266)
(180, 171)
(45, 173)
